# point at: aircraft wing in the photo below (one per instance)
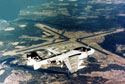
(53, 50)
(72, 63)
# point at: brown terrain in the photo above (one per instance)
(104, 67)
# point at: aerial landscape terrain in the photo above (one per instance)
(64, 24)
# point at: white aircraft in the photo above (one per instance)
(72, 59)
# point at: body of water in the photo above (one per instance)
(9, 9)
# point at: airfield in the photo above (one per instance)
(65, 24)
(65, 40)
